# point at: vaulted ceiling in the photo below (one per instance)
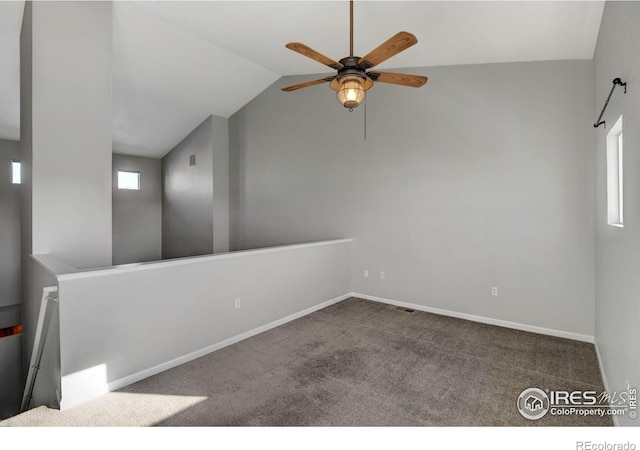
(175, 63)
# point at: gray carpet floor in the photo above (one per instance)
(356, 363)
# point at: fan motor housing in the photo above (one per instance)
(351, 68)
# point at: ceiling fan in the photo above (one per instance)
(353, 79)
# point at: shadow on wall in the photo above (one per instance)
(10, 289)
(181, 208)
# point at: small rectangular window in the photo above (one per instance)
(614, 176)
(128, 180)
(16, 174)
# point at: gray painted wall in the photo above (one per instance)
(10, 376)
(137, 215)
(617, 251)
(220, 184)
(29, 298)
(482, 178)
(9, 227)
(71, 126)
(65, 137)
(187, 196)
(10, 284)
(195, 199)
(186, 307)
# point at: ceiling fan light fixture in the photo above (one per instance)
(353, 79)
(351, 92)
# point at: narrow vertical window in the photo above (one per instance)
(615, 215)
(128, 180)
(16, 174)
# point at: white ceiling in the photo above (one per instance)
(174, 63)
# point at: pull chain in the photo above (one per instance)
(365, 119)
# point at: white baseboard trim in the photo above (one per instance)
(615, 419)
(130, 379)
(125, 381)
(604, 377)
(481, 319)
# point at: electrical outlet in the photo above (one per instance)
(237, 303)
(382, 275)
(494, 291)
(366, 274)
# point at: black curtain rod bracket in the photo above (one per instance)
(616, 82)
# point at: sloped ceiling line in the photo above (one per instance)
(175, 63)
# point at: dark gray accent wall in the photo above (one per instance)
(10, 282)
(195, 198)
(10, 376)
(220, 184)
(187, 195)
(617, 254)
(9, 226)
(137, 215)
(482, 178)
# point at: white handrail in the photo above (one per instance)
(49, 297)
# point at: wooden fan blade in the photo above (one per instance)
(307, 84)
(311, 53)
(402, 79)
(387, 49)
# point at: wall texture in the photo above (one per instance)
(617, 252)
(9, 227)
(484, 177)
(137, 215)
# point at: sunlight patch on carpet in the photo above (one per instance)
(112, 409)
